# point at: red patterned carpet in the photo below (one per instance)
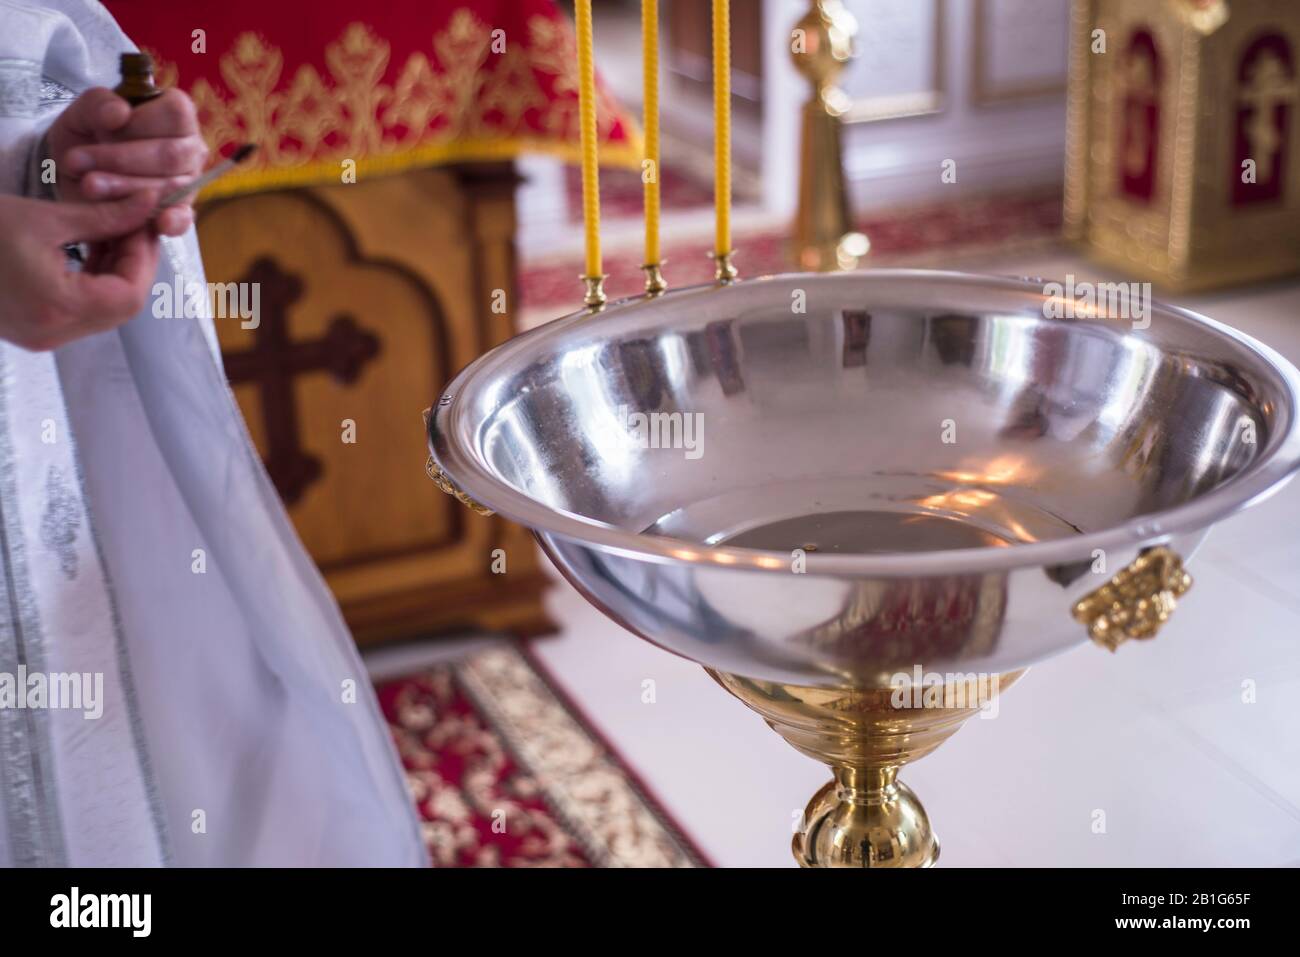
(622, 193)
(505, 773)
(894, 234)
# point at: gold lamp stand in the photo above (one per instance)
(865, 816)
(823, 238)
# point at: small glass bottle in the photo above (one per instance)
(137, 84)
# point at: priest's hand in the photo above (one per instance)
(104, 149)
(44, 303)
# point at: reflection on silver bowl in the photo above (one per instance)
(957, 470)
(816, 482)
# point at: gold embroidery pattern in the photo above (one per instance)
(466, 103)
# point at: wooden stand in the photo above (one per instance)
(372, 295)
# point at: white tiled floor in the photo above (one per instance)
(1157, 736)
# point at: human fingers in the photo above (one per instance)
(158, 157)
(175, 220)
(170, 115)
(85, 222)
(96, 113)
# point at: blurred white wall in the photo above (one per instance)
(978, 82)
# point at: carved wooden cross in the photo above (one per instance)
(276, 359)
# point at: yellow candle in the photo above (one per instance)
(587, 123)
(722, 124)
(650, 80)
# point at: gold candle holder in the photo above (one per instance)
(594, 295)
(724, 269)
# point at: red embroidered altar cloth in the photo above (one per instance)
(387, 85)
